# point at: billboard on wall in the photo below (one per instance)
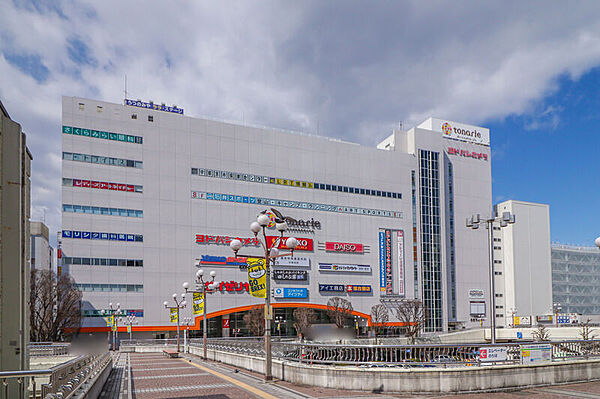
(458, 131)
(382, 261)
(400, 245)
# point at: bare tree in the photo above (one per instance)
(339, 310)
(379, 316)
(304, 318)
(413, 314)
(541, 333)
(585, 331)
(255, 320)
(54, 305)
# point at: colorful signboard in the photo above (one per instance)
(173, 315)
(336, 267)
(467, 154)
(400, 246)
(299, 261)
(126, 138)
(493, 354)
(110, 320)
(382, 261)
(202, 195)
(358, 289)
(286, 292)
(536, 354)
(198, 303)
(388, 262)
(257, 277)
(156, 107)
(104, 185)
(225, 323)
(344, 247)
(458, 131)
(289, 275)
(92, 235)
(304, 244)
(332, 288)
(223, 260)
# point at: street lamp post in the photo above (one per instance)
(271, 253)
(279, 320)
(556, 307)
(513, 312)
(473, 223)
(179, 304)
(112, 312)
(207, 287)
(129, 321)
(187, 322)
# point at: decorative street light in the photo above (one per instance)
(179, 304)
(129, 321)
(597, 242)
(271, 253)
(187, 322)
(556, 307)
(206, 287)
(112, 312)
(473, 223)
(279, 320)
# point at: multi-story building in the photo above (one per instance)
(576, 279)
(522, 270)
(42, 254)
(15, 172)
(147, 191)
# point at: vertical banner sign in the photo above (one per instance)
(400, 262)
(198, 303)
(128, 328)
(381, 261)
(388, 262)
(173, 315)
(257, 277)
(110, 321)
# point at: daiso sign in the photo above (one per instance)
(344, 247)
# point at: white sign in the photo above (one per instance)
(458, 131)
(536, 353)
(293, 261)
(476, 294)
(493, 354)
(334, 267)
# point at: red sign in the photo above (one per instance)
(103, 185)
(468, 154)
(304, 244)
(344, 247)
(231, 286)
(225, 323)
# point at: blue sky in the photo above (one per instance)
(346, 69)
(553, 157)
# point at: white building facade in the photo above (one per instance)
(147, 191)
(42, 254)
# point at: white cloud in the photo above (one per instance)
(349, 69)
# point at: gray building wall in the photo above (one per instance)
(175, 209)
(42, 253)
(576, 279)
(15, 170)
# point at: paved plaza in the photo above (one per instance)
(154, 376)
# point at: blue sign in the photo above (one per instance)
(156, 107)
(519, 335)
(382, 260)
(332, 288)
(94, 235)
(290, 293)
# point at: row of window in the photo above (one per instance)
(126, 138)
(102, 185)
(110, 287)
(292, 183)
(73, 156)
(94, 235)
(293, 204)
(96, 210)
(72, 260)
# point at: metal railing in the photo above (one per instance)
(65, 379)
(48, 348)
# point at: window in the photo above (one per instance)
(497, 273)
(499, 295)
(477, 309)
(99, 108)
(81, 106)
(133, 116)
(497, 247)
(497, 261)
(150, 118)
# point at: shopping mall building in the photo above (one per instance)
(149, 193)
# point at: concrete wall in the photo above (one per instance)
(439, 380)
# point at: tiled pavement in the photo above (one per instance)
(155, 376)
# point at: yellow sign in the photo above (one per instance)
(257, 277)
(129, 328)
(198, 303)
(114, 327)
(173, 315)
(110, 320)
(269, 312)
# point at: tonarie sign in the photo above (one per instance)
(458, 131)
